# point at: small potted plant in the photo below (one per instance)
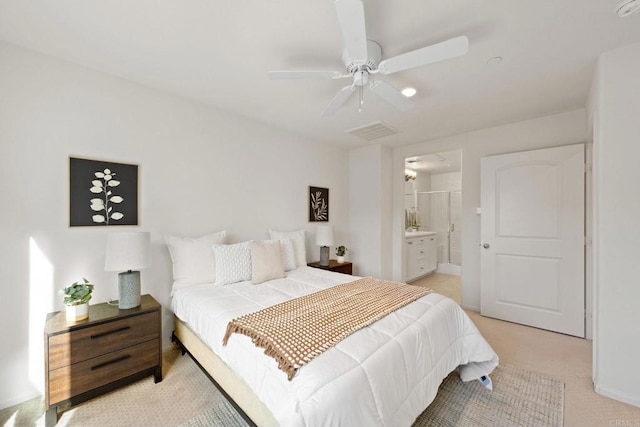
(340, 251)
(76, 300)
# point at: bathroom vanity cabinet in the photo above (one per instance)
(420, 253)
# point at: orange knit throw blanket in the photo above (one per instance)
(296, 331)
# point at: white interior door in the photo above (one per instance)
(532, 247)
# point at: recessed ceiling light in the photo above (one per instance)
(409, 92)
(494, 60)
(628, 7)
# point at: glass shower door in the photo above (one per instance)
(440, 211)
(455, 236)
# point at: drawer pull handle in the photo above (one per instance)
(111, 362)
(115, 331)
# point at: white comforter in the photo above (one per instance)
(382, 375)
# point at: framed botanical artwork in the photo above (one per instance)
(318, 204)
(102, 193)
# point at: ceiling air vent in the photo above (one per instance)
(375, 130)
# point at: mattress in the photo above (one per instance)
(383, 375)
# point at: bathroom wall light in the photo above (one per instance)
(409, 174)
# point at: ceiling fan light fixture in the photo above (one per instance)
(627, 7)
(409, 92)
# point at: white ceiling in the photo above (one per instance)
(446, 162)
(219, 52)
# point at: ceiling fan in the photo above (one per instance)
(362, 57)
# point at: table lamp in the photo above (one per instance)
(129, 251)
(324, 239)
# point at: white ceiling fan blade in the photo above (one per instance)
(352, 25)
(392, 95)
(451, 48)
(339, 100)
(310, 74)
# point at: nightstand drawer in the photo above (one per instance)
(345, 268)
(83, 344)
(81, 377)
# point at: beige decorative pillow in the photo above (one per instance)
(266, 261)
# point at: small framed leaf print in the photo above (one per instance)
(318, 204)
(102, 193)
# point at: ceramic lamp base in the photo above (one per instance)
(128, 290)
(324, 256)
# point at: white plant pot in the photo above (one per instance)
(340, 259)
(77, 312)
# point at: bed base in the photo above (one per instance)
(234, 390)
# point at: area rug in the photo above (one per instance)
(519, 398)
(221, 415)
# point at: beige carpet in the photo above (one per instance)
(445, 284)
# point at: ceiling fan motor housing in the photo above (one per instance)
(374, 55)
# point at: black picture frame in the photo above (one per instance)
(102, 193)
(318, 204)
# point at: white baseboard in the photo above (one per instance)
(446, 268)
(631, 400)
(470, 307)
(19, 399)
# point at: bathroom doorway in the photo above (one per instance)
(433, 203)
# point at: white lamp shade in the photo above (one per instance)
(324, 235)
(128, 250)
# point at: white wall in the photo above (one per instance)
(616, 103)
(559, 129)
(201, 170)
(449, 181)
(370, 210)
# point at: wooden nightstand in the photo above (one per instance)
(111, 348)
(345, 267)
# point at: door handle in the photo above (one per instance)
(486, 245)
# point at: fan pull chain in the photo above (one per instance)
(361, 93)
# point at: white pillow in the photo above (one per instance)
(266, 261)
(299, 243)
(288, 253)
(233, 263)
(192, 258)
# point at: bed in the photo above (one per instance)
(384, 374)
